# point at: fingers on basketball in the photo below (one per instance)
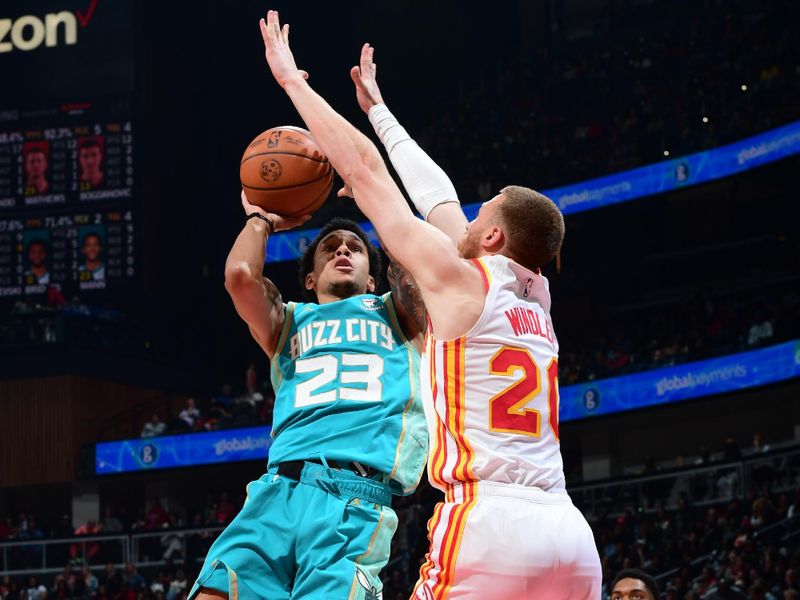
(284, 172)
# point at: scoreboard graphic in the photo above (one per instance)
(55, 166)
(67, 211)
(69, 200)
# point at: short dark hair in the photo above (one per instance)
(307, 260)
(648, 581)
(92, 234)
(39, 242)
(533, 225)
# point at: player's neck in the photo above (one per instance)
(93, 264)
(39, 271)
(323, 298)
(337, 292)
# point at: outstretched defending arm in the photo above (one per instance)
(256, 298)
(428, 254)
(428, 186)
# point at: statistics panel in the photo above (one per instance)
(79, 251)
(67, 210)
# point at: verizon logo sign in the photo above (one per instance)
(30, 32)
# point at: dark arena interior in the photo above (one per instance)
(135, 405)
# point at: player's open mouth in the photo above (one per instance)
(343, 265)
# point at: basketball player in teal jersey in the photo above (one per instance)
(348, 427)
(507, 527)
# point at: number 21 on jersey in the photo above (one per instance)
(508, 410)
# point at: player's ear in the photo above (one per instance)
(310, 283)
(493, 238)
(370, 284)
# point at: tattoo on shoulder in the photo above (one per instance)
(407, 295)
(273, 294)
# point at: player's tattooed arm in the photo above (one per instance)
(272, 295)
(256, 298)
(408, 300)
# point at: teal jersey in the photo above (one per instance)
(346, 384)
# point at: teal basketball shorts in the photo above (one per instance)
(326, 536)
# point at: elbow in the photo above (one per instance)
(237, 276)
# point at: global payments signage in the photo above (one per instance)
(661, 386)
(184, 450)
(657, 178)
(692, 380)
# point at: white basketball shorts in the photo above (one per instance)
(503, 541)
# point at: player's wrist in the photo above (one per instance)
(261, 221)
(293, 82)
(387, 127)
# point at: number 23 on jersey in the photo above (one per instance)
(357, 376)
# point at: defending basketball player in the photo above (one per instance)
(507, 528)
(348, 427)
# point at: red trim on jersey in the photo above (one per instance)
(484, 273)
(448, 566)
(433, 524)
(439, 451)
(447, 381)
(455, 402)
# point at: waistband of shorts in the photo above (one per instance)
(466, 491)
(342, 482)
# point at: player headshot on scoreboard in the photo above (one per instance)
(90, 161)
(91, 247)
(36, 271)
(35, 158)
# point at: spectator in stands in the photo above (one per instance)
(6, 529)
(157, 517)
(225, 397)
(92, 548)
(172, 543)
(36, 591)
(28, 530)
(725, 590)
(792, 580)
(140, 522)
(251, 379)
(13, 590)
(225, 510)
(112, 580)
(633, 584)
(133, 580)
(155, 426)
(758, 444)
(160, 584)
(111, 523)
(178, 585)
(90, 582)
(190, 414)
(60, 590)
(68, 578)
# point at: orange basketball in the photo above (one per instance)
(284, 172)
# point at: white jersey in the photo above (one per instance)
(491, 395)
